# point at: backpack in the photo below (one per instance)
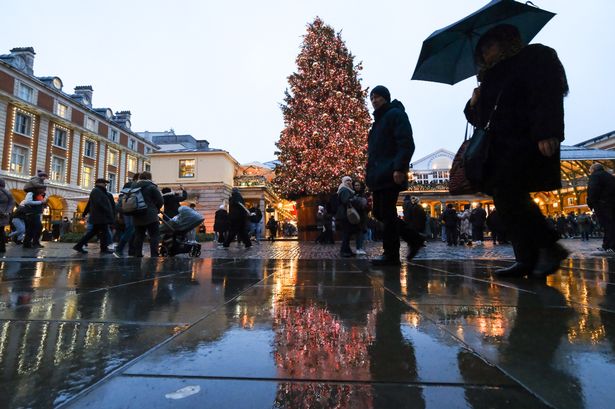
(131, 201)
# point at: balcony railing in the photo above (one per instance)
(251, 180)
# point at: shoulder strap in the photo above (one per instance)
(495, 108)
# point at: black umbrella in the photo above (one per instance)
(447, 55)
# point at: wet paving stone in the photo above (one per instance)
(290, 324)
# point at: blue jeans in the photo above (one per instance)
(256, 229)
(360, 239)
(126, 236)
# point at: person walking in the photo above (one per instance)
(221, 224)
(238, 220)
(478, 218)
(450, 220)
(33, 204)
(414, 214)
(389, 150)
(7, 202)
(601, 199)
(147, 220)
(526, 86)
(102, 214)
(272, 226)
(584, 224)
(127, 237)
(172, 201)
(345, 194)
(255, 222)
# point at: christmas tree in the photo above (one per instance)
(325, 116)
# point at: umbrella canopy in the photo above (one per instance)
(447, 55)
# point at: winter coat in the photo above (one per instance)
(154, 201)
(255, 215)
(389, 147)
(450, 218)
(531, 109)
(414, 216)
(172, 202)
(33, 203)
(345, 196)
(7, 202)
(101, 206)
(237, 209)
(478, 217)
(601, 190)
(221, 221)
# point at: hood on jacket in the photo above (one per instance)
(386, 107)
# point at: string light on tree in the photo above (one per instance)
(325, 116)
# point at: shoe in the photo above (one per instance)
(117, 255)
(549, 260)
(516, 270)
(385, 261)
(37, 246)
(106, 251)
(79, 249)
(360, 251)
(412, 252)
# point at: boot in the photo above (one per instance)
(549, 260)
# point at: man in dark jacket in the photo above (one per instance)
(451, 220)
(129, 228)
(414, 214)
(101, 207)
(389, 149)
(601, 199)
(172, 201)
(147, 221)
(528, 85)
(238, 218)
(478, 218)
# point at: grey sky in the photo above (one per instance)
(217, 70)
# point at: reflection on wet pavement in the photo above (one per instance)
(304, 333)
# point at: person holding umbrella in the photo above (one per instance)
(521, 90)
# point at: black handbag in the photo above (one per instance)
(477, 150)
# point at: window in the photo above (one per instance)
(571, 201)
(25, 92)
(89, 149)
(132, 164)
(87, 177)
(113, 135)
(187, 168)
(148, 150)
(90, 123)
(132, 144)
(58, 169)
(23, 124)
(147, 167)
(59, 138)
(112, 157)
(112, 178)
(62, 110)
(19, 159)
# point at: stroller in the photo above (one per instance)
(174, 233)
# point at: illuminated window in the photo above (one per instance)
(187, 168)
(59, 138)
(62, 110)
(19, 159)
(90, 123)
(89, 149)
(23, 124)
(87, 177)
(112, 157)
(132, 164)
(58, 169)
(25, 92)
(112, 178)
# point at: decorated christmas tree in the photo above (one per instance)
(325, 116)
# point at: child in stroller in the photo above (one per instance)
(174, 233)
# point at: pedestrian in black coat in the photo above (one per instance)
(172, 201)
(478, 218)
(221, 224)
(101, 210)
(147, 221)
(451, 220)
(389, 149)
(601, 199)
(525, 135)
(238, 218)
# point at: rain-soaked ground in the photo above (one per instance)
(275, 327)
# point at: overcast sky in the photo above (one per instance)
(218, 70)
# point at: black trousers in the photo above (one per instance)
(525, 226)
(2, 239)
(606, 218)
(34, 227)
(478, 232)
(385, 210)
(153, 231)
(100, 230)
(238, 229)
(451, 235)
